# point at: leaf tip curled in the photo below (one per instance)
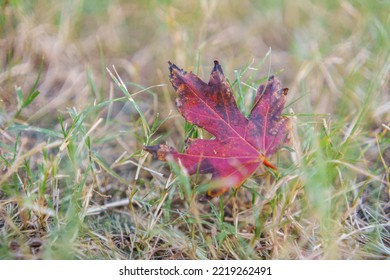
(160, 151)
(176, 75)
(217, 67)
(173, 68)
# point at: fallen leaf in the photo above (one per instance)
(240, 145)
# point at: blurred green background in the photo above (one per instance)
(70, 139)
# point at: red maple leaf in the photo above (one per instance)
(241, 145)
